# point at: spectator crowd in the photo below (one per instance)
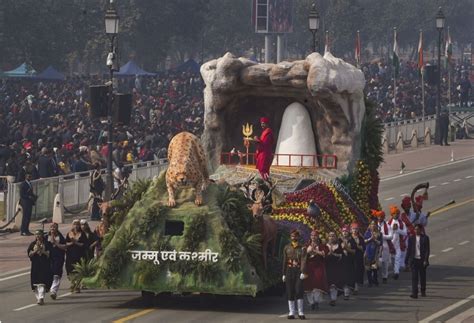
(408, 102)
(46, 130)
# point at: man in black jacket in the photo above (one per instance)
(444, 128)
(45, 164)
(418, 254)
(27, 200)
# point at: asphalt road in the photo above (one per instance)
(450, 277)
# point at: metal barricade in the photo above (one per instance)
(74, 189)
(407, 126)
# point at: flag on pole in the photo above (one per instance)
(449, 49)
(421, 63)
(396, 56)
(327, 46)
(357, 49)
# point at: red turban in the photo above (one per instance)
(406, 202)
(377, 213)
(264, 120)
(394, 210)
(419, 200)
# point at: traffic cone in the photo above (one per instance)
(402, 167)
(452, 155)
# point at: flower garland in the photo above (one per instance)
(346, 214)
(362, 186)
(338, 208)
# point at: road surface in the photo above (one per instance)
(450, 277)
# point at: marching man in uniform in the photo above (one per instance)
(399, 231)
(293, 274)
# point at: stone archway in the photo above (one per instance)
(239, 91)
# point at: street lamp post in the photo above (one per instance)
(440, 20)
(111, 29)
(313, 20)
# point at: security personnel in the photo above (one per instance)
(27, 200)
(293, 274)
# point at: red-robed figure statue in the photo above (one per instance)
(264, 154)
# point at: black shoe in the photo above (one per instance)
(332, 303)
(384, 280)
(370, 285)
(395, 276)
(423, 294)
(313, 307)
(290, 317)
(413, 296)
(447, 144)
(441, 144)
(302, 317)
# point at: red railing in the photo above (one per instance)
(287, 160)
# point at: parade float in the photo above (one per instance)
(181, 233)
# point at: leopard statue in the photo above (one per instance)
(187, 166)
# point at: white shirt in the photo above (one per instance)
(417, 248)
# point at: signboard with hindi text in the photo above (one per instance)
(157, 256)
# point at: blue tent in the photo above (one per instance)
(189, 66)
(21, 71)
(132, 69)
(50, 74)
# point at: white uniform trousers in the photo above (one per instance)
(39, 291)
(313, 297)
(333, 293)
(397, 261)
(55, 285)
(402, 258)
(385, 260)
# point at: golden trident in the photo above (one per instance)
(247, 131)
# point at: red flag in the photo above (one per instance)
(357, 49)
(420, 52)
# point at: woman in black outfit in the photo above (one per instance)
(75, 242)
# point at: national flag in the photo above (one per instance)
(421, 63)
(357, 49)
(327, 46)
(396, 56)
(449, 48)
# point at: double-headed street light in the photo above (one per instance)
(313, 20)
(440, 21)
(111, 29)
